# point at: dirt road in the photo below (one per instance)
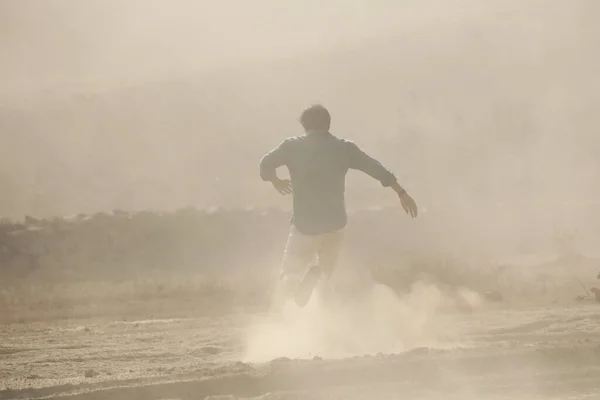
(405, 350)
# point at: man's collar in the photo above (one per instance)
(317, 131)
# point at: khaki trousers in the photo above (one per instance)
(302, 251)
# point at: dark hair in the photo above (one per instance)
(315, 117)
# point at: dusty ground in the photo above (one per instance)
(379, 346)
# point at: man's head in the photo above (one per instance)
(315, 118)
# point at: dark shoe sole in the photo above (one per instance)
(306, 287)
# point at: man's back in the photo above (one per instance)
(318, 163)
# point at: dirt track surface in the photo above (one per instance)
(535, 352)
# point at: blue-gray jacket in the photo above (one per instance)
(318, 163)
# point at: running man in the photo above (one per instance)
(318, 162)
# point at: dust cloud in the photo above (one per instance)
(376, 321)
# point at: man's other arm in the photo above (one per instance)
(361, 161)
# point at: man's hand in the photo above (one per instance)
(283, 186)
(408, 204)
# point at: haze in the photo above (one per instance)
(108, 42)
(160, 105)
(486, 110)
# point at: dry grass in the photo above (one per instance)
(185, 295)
(145, 297)
(123, 264)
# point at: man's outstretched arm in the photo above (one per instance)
(269, 164)
(361, 161)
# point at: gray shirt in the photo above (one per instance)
(318, 163)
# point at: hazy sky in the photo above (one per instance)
(53, 42)
(509, 77)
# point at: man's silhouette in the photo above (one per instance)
(318, 162)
